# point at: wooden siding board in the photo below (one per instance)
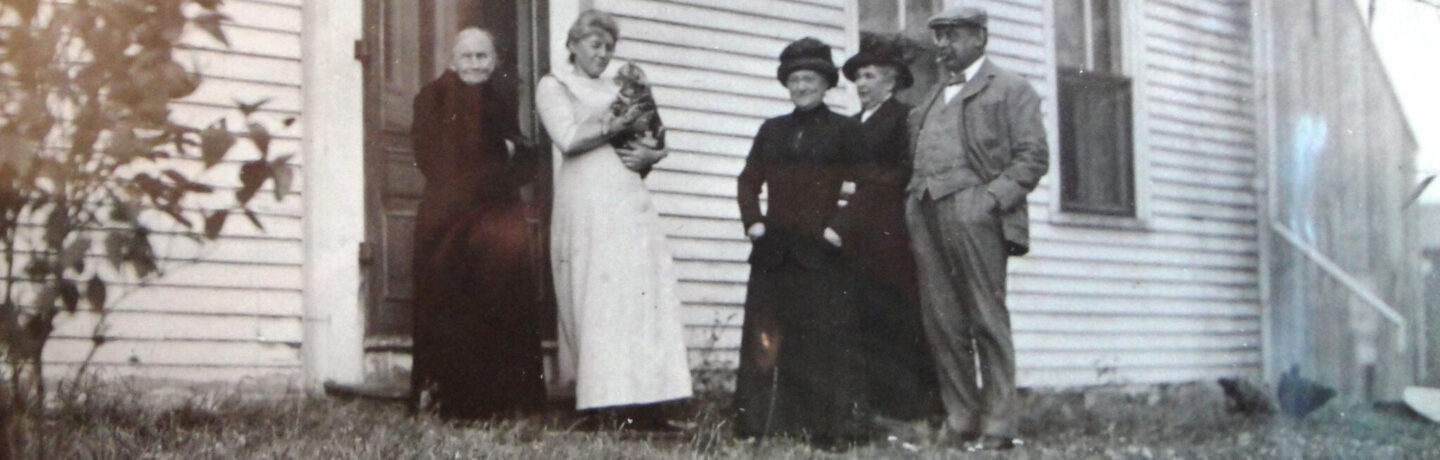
(1127, 272)
(731, 145)
(1120, 309)
(178, 247)
(1233, 18)
(794, 12)
(1165, 95)
(1186, 112)
(707, 229)
(1198, 69)
(221, 91)
(1134, 255)
(148, 325)
(702, 163)
(698, 206)
(1175, 47)
(710, 122)
(1236, 196)
(1216, 125)
(212, 301)
(1200, 163)
(1202, 211)
(711, 18)
(1081, 286)
(1121, 239)
(1179, 174)
(1180, 141)
(837, 4)
(208, 353)
(280, 375)
(1183, 18)
(705, 100)
(754, 89)
(705, 185)
(220, 62)
(739, 43)
(271, 15)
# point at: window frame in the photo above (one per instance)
(1132, 66)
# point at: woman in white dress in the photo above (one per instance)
(620, 340)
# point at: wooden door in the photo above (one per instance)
(407, 44)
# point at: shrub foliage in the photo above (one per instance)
(94, 168)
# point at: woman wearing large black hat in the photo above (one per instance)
(900, 374)
(800, 370)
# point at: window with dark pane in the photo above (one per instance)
(905, 20)
(1097, 171)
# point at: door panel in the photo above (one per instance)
(394, 182)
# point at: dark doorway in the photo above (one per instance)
(407, 44)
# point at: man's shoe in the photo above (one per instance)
(896, 431)
(989, 442)
(948, 438)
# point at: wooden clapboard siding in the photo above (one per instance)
(1177, 298)
(1342, 167)
(713, 66)
(229, 310)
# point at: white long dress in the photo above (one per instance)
(620, 337)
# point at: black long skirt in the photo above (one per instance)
(801, 369)
(477, 320)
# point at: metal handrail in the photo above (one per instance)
(1355, 286)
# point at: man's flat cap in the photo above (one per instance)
(960, 16)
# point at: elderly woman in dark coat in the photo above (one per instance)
(476, 338)
(800, 370)
(901, 375)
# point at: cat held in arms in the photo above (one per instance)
(635, 91)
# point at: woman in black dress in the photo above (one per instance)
(901, 375)
(800, 372)
(477, 336)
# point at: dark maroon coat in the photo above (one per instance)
(476, 337)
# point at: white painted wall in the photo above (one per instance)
(233, 309)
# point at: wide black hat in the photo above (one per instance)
(881, 50)
(808, 53)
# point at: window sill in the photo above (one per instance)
(1074, 219)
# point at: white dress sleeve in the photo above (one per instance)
(571, 136)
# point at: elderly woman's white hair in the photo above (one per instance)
(468, 33)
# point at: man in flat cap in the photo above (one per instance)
(979, 147)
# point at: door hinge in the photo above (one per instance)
(367, 253)
(362, 51)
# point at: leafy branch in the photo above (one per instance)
(93, 167)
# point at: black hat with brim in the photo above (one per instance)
(807, 54)
(903, 77)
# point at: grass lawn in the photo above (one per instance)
(1187, 421)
